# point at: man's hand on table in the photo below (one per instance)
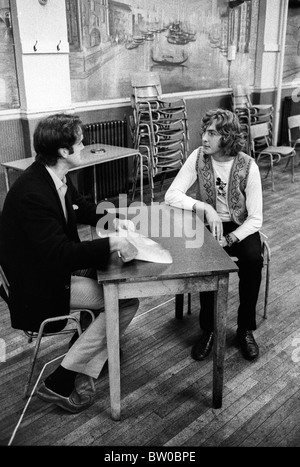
(125, 249)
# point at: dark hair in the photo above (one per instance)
(55, 132)
(227, 125)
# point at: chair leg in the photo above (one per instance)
(179, 300)
(287, 164)
(92, 383)
(32, 363)
(134, 182)
(272, 173)
(189, 304)
(38, 343)
(267, 290)
(150, 181)
(163, 176)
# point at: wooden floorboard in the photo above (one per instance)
(166, 395)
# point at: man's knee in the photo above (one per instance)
(86, 293)
(251, 257)
(254, 264)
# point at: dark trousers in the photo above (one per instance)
(250, 263)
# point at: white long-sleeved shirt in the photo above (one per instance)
(187, 176)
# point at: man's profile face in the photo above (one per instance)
(75, 158)
(211, 140)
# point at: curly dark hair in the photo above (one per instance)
(55, 132)
(227, 125)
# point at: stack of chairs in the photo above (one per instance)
(251, 114)
(159, 129)
(257, 123)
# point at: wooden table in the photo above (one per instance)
(103, 153)
(203, 267)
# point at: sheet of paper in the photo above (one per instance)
(148, 249)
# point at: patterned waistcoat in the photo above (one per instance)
(206, 190)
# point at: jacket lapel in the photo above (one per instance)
(72, 221)
(45, 174)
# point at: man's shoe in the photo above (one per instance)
(248, 345)
(202, 348)
(74, 403)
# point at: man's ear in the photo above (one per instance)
(63, 152)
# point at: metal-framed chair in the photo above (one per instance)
(262, 150)
(266, 254)
(294, 132)
(31, 335)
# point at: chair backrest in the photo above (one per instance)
(263, 236)
(293, 123)
(4, 284)
(241, 96)
(146, 79)
(259, 137)
(146, 86)
(259, 131)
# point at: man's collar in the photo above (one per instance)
(56, 180)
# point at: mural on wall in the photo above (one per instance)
(193, 45)
(291, 67)
(9, 96)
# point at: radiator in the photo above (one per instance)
(112, 177)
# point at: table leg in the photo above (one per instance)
(95, 184)
(113, 347)
(220, 315)
(6, 179)
(142, 178)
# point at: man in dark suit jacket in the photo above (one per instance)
(40, 252)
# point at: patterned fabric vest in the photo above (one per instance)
(206, 190)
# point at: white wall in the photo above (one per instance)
(44, 76)
(268, 46)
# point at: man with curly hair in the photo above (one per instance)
(229, 193)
